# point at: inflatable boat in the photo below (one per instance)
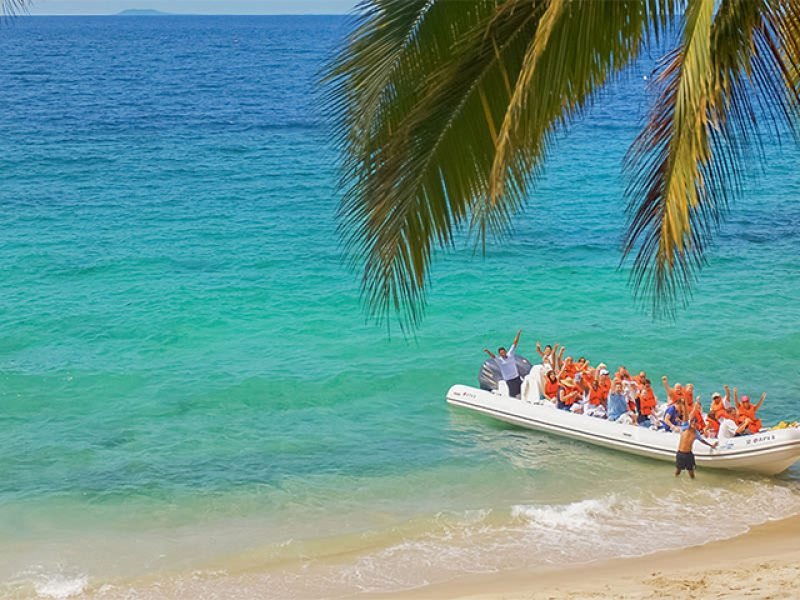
(769, 452)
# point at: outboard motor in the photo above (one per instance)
(490, 372)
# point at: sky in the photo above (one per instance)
(110, 7)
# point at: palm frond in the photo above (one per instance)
(715, 91)
(9, 8)
(420, 146)
(577, 47)
(423, 152)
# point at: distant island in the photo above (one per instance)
(141, 12)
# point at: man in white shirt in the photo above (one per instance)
(507, 362)
(728, 429)
(722, 427)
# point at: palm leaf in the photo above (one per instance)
(10, 8)
(411, 173)
(578, 46)
(731, 73)
(419, 158)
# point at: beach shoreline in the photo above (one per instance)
(760, 563)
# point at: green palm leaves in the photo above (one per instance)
(445, 111)
(733, 67)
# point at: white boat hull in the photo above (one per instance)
(770, 452)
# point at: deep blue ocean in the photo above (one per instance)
(190, 394)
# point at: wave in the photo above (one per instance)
(447, 544)
(54, 584)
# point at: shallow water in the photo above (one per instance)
(192, 401)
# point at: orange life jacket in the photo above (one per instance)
(647, 402)
(597, 395)
(569, 390)
(749, 413)
(700, 423)
(550, 389)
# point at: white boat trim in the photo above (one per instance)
(770, 452)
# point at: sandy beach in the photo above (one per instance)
(763, 563)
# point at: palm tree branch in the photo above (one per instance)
(687, 164)
(399, 204)
(578, 47)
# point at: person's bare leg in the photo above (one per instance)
(691, 473)
(677, 472)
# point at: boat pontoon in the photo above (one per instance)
(769, 452)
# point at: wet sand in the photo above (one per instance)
(763, 563)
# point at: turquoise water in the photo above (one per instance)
(192, 401)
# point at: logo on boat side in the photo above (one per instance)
(760, 438)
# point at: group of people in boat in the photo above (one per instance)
(580, 387)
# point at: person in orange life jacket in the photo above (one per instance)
(695, 411)
(646, 402)
(674, 394)
(746, 412)
(721, 426)
(569, 369)
(551, 385)
(688, 398)
(569, 393)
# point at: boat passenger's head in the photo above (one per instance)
(678, 388)
(746, 400)
(712, 415)
(548, 349)
(568, 360)
(551, 375)
(716, 396)
(502, 352)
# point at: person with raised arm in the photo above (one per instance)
(746, 412)
(674, 394)
(558, 356)
(726, 401)
(688, 398)
(507, 362)
(548, 357)
(684, 457)
(568, 369)
(695, 411)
